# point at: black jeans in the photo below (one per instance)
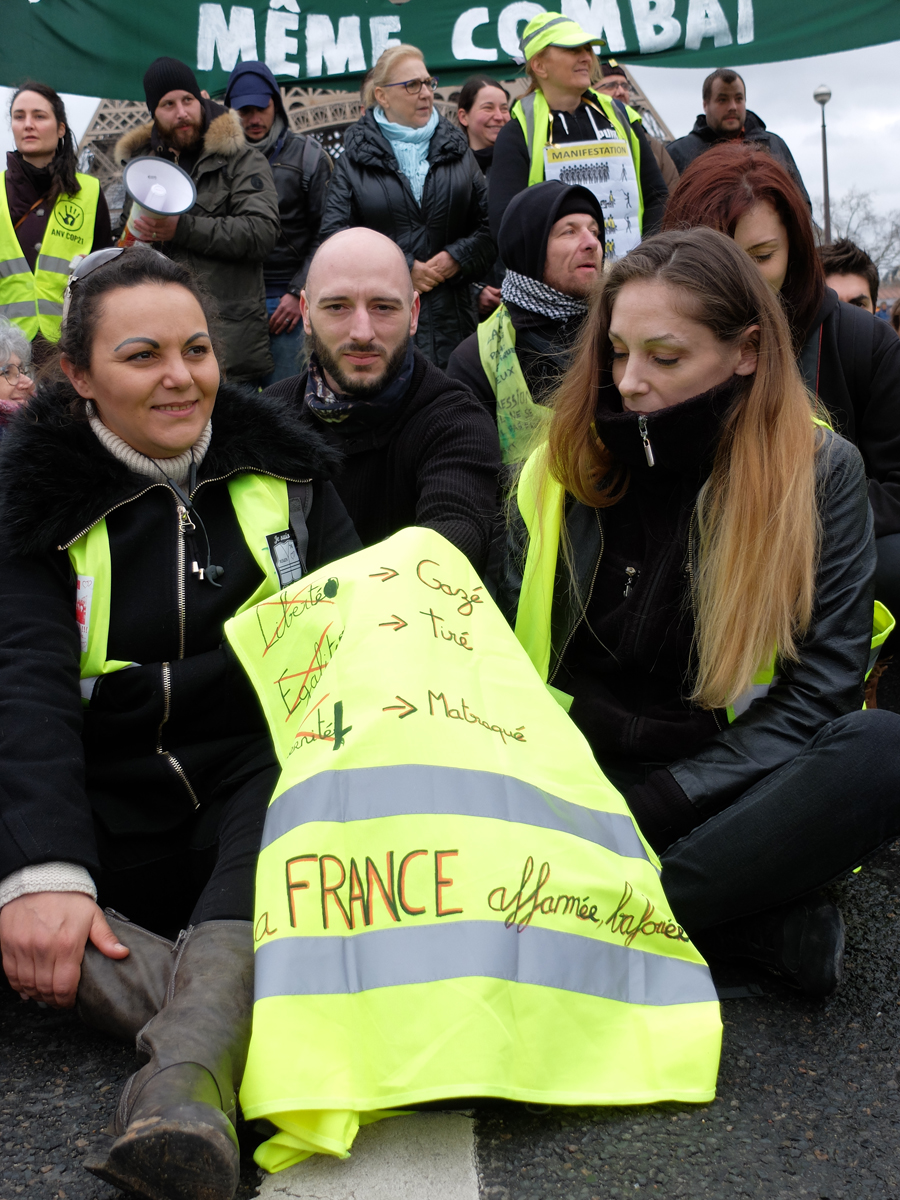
(803, 826)
(203, 871)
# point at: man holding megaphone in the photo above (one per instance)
(233, 225)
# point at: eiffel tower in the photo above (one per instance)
(324, 114)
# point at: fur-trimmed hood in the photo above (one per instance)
(56, 479)
(224, 136)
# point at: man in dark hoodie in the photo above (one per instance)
(302, 169)
(726, 117)
(551, 240)
(233, 226)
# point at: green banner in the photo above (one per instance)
(102, 47)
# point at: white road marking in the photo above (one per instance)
(424, 1156)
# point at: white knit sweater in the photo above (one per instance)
(64, 876)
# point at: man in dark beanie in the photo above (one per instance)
(551, 241)
(232, 228)
(614, 82)
(302, 169)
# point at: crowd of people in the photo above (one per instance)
(624, 379)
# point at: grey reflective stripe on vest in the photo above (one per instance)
(524, 42)
(756, 691)
(46, 262)
(22, 308)
(345, 964)
(14, 266)
(49, 308)
(526, 103)
(367, 793)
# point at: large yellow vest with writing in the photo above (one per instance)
(34, 301)
(262, 507)
(521, 423)
(533, 114)
(451, 899)
(541, 502)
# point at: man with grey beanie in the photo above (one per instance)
(233, 226)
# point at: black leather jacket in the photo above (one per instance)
(302, 170)
(825, 684)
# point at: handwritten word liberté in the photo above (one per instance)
(522, 906)
(464, 713)
(289, 607)
(468, 598)
(350, 894)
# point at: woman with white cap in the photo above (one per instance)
(563, 129)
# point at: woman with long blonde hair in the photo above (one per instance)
(698, 585)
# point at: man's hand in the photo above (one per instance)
(489, 299)
(155, 229)
(445, 264)
(285, 317)
(43, 937)
(425, 277)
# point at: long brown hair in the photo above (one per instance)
(721, 186)
(756, 514)
(63, 181)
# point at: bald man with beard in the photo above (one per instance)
(419, 449)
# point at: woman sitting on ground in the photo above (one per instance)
(134, 526)
(709, 602)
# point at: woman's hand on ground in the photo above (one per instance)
(43, 937)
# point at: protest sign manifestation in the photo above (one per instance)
(102, 47)
(451, 901)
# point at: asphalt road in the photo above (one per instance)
(808, 1101)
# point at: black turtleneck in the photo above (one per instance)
(630, 662)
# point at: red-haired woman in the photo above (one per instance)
(847, 358)
(698, 582)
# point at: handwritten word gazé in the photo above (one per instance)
(430, 579)
(354, 894)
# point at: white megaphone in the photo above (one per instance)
(158, 188)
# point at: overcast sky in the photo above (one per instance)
(863, 115)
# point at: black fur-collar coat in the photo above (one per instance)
(157, 740)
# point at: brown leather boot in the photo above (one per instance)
(119, 996)
(176, 1115)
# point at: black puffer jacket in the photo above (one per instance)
(191, 707)
(851, 361)
(630, 705)
(368, 188)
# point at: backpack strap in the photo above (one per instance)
(300, 498)
(309, 160)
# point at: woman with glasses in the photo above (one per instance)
(49, 214)
(408, 173)
(16, 385)
(144, 503)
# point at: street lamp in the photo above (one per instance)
(822, 95)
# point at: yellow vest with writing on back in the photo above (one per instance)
(34, 301)
(451, 899)
(521, 423)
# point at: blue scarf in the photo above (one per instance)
(410, 147)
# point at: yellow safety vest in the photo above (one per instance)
(533, 114)
(262, 508)
(451, 899)
(521, 423)
(541, 501)
(35, 301)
